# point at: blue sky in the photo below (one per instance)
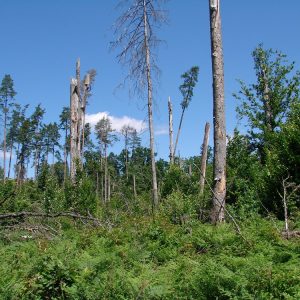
(41, 40)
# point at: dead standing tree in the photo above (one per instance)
(204, 157)
(86, 87)
(289, 190)
(78, 99)
(74, 105)
(170, 108)
(136, 38)
(217, 214)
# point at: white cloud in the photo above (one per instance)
(2, 155)
(117, 122)
(161, 130)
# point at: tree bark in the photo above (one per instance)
(267, 105)
(179, 129)
(204, 157)
(79, 108)
(190, 170)
(105, 179)
(217, 213)
(286, 223)
(74, 104)
(171, 131)
(4, 142)
(150, 117)
(36, 163)
(16, 172)
(65, 155)
(108, 188)
(97, 185)
(134, 187)
(83, 109)
(126, 151)
(10, 157)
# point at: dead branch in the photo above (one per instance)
(285, 198)
(27, 214)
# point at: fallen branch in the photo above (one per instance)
(291, 234)
(26, 214)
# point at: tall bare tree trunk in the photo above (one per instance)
(10, 157)
(190, 170)
(4, 144)
(36, 160)
(126, 152)
(108, 188)
(178, 132)
(134, 187)
(204, 157)
(97, 185)
(102, 189)
(74, 128)
(79, 108)
(16, 171)
(105, 182)
(219, 190)
(83, 109)
(171, 131)
(150, 116)
(65, 155)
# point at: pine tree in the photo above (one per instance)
(7, 94)
(105, 137)
(190, 79)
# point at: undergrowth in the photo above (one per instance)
(142, 258)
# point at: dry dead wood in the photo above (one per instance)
(73, 215)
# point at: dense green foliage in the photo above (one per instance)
(146, 259)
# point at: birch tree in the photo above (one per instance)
(136, 38)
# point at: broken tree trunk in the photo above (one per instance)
(217, 213)
(204, 158)
(83, 108)
(171, 131)
(74, 103)
(76, 121)
(79, 108)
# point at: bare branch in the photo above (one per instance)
(27, 214)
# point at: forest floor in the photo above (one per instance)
(142, 258)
